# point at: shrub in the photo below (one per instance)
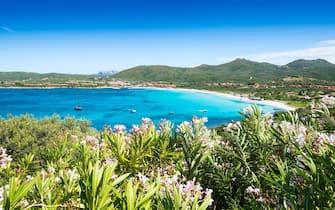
(262, 161)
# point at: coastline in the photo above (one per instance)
(235, 96)
(277, 104)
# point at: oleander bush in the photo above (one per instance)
(285, 161)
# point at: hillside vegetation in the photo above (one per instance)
(297, 83)
(286, 161)
(36, 77)
(310, 64)
(239, 70)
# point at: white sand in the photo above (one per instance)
(278, 104)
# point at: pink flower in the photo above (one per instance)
(165, 126)
(196, 120)
(127, 140)
(135, 129)
(253, 192)
(146, 120)
(109, 161)
(322, 139)
(92, 142)
(233, 126)
(247, 110)
(120, 129)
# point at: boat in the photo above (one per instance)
(170, 113)
(203, 110)
(132, 111)
(78, 108)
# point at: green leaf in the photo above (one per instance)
(147, 196)
(120, 179)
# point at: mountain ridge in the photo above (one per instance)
(238, 70)
(305, 64)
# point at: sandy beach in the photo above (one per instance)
(278, 104)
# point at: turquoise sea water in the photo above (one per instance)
(112, 106)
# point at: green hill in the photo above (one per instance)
(152, 73)
(239, 70)
(310, 64)
(36, 77)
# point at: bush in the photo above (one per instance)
(267, 162)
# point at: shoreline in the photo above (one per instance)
(235, 96)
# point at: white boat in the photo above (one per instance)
(203, 110)
(132, 111)
(78, 108)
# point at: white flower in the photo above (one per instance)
(109, 161)
(43, 174)
(28, 177)
(204, 119)
(328, 100)
(72, 173)
(208, 192)
(301, 140)
(253, 192)
(233, 126)
(143, 179)
(51, 170)
(5, 159)
(146, 120)
(25, 203)
(74, 137)
(57, 179)
(196, 120)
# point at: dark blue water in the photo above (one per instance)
(112, 106)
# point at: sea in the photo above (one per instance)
(127, 106)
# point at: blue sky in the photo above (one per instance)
(99, 35)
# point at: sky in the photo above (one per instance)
(85, 37)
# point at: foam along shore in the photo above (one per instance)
(277, 104)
